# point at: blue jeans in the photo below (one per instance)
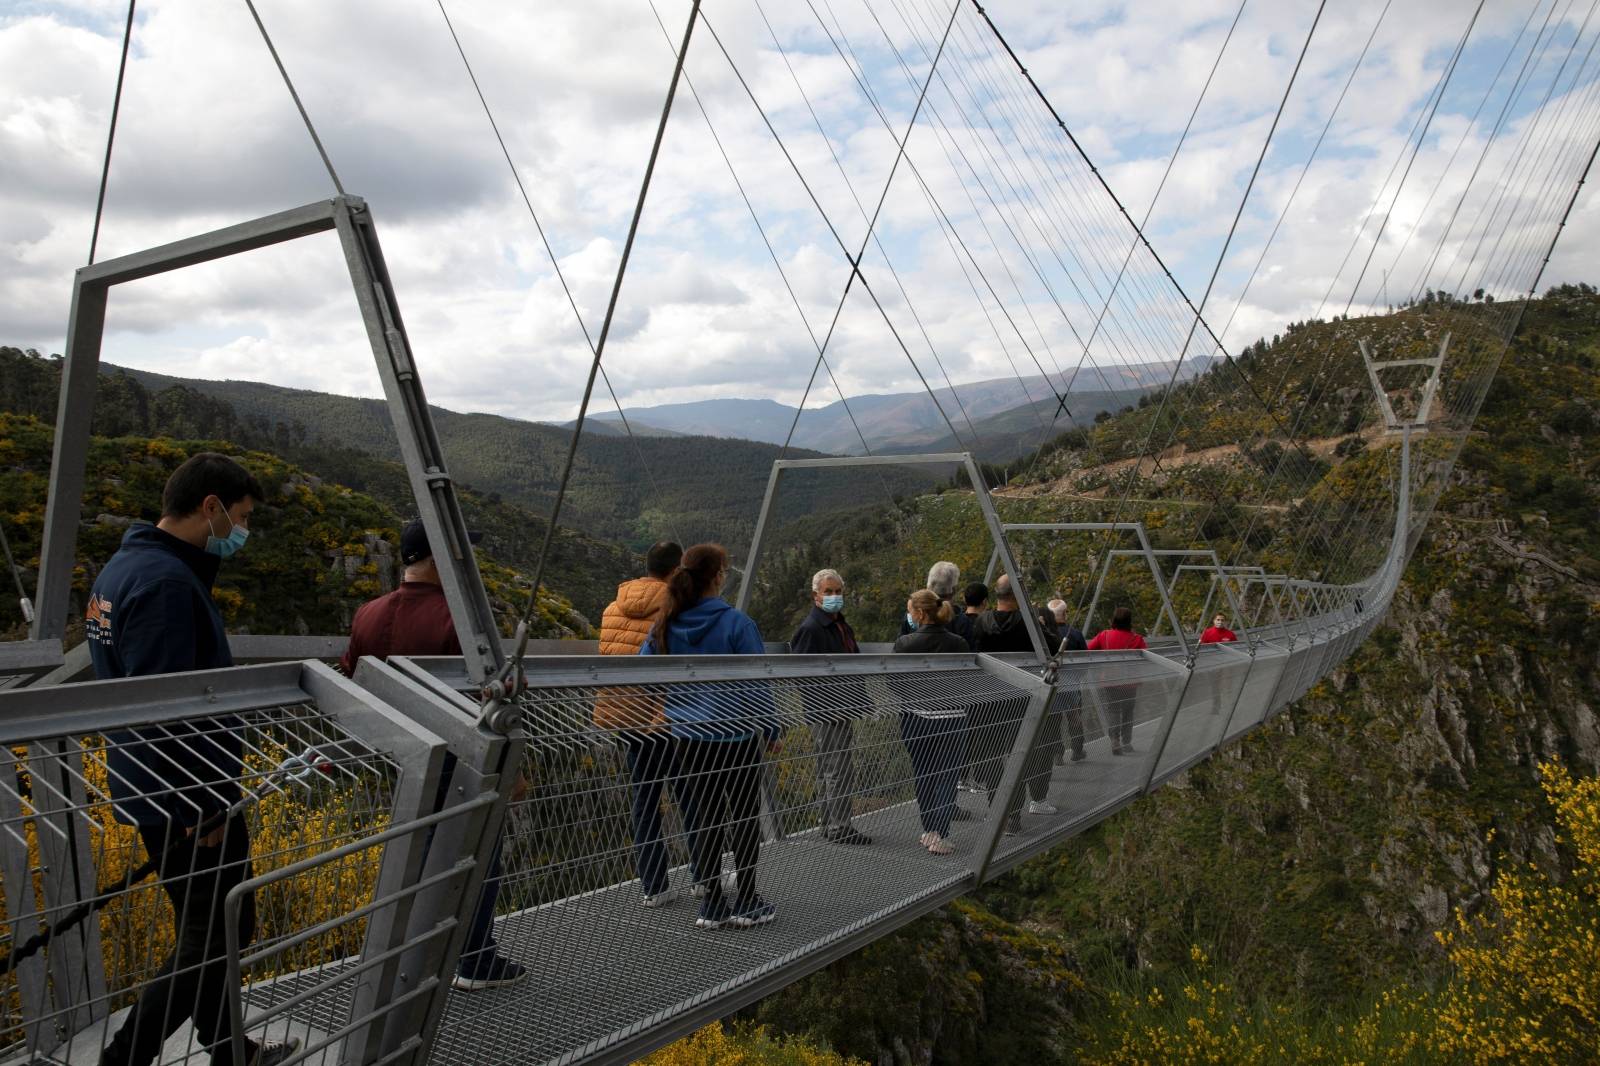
(937, 747)
(652, 762)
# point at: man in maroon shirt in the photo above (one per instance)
(414, 619)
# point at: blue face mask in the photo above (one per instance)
(833, 604)
(912, 622)
(224, 547)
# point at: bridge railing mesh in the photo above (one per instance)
(165, 833)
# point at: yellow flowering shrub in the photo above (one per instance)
(1523, 983)
(1526, 981)
(746, 1046)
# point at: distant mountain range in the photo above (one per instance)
(911, 421)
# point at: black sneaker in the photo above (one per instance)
(495, 971)
(271, 1052)
(848, 835)
(756, 911)
(714, 912)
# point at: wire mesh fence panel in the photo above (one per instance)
(1088, 763)
(717, 830)
(1212, 693)
(1266, 668)
(148, 822)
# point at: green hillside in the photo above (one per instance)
(1272, 901)
(318, 550)
(582, 567)
(685, 488)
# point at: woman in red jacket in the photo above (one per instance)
(1219, 633)
(1120, 698)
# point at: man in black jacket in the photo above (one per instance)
(825, 632)
(150, 612)
(1001, 630)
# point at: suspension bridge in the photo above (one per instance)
(376, 803)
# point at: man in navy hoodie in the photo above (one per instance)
(150, 612)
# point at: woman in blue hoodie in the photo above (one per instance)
(720, 729)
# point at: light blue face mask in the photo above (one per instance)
(224, 547)
(912, 622)
(833, 604)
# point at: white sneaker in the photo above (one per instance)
(660, 899)
(1041, 807)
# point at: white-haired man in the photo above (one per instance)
(944, 578)
(825, 632)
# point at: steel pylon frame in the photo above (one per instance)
(1435, 365)
(1144, 550)
(431, 484)
(963, 460)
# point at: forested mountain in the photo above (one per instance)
(633, 493)
(126, 410)
(1286, 900)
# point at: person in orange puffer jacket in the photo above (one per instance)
(638, 719)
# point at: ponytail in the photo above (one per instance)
(688, 585)
(927, 603)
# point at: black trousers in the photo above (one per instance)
(193, 981)
(719, 788)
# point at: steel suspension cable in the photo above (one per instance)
(555, 262)
(294, 94)
(854, 260)
(861, 208)
(1122, 210)
(1434, 96)
(1221, 258)
(23, 602)
(783, 275)
(1518, 155)
(514, 667)
(111, 134)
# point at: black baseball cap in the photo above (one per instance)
(414, 542)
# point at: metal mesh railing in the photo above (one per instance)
(149, 826)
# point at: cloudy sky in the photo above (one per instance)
(995, 252)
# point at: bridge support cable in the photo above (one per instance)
(1272, 414)
(1126, 257)
(783, 275)
(1414, 140)
(877, 241)
(1181, 354)
(1078, 148)
(1295, 428)
(1467, 128)
(544, 240)
(1076, 243)
(111, 136)
(510, 680)
(940, 126)
(950, 232)
(854, 260)
(294, 94)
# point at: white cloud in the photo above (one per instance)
(208, 137)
